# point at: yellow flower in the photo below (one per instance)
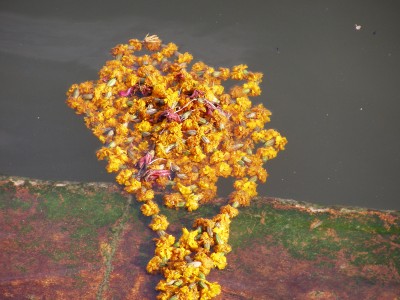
(131, 79)
(150, 208)
(169, 49)
(159, 90)
(223, 169)
(124, 176)
(153, 266)
(230, 210)
(199, 66)
(184, 190)
(224, 248)
(178, 254)
(224, 73)
(132, 185)
(242, 104)
(192, 202)
(188, 293)
(241, 197)
(136, 44)
(159, 222)
(253, 87)
(188, 238)
(190, 272)
(217, 156)
(173, 200)
(198, 154)
(144, 126)
(267, 153)
(171, 98)
(152, 42)
(207, 264)
(114, 164)
(280, 142)
(145, 195)
(218, 89)
(185, 58)
(157, 56)
(239, 72)
(213, 290)
(164, 250)
(170, 129)
(219, 260)
(103, 153)
(255, 170)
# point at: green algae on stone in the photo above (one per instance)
(346, 251)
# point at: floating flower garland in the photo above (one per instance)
(169, 125)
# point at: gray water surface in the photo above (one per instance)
(334, 90)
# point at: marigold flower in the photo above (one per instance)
(136, 44)
(241, 197)
(152, 42)
(239, 72)
(188, 238)
(223, 169)
(164, 250)
(171, 129)
(145, 195)
(143, 126)
(159, 222)
(224, 248)
(124, 176)
(280, 142)
(219, 259)
(192, 202)
(185, 58)
(169, 49)
(231, 211)
(173, 200)
(253, 87)
(153, 266)
(150, 208)
(206, 262)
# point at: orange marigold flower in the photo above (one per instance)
(239, 72)
(136, 44)
(153, 266)
(171, 129)
(188, 238)
(150, 208)
(169, 50)
(152, 42)
(173, 200)
(230, 210)
(159, 222)
(219, 260)
(185, 58)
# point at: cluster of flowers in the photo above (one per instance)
(168, 125)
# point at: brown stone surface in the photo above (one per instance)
(89, 241)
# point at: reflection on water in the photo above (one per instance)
(332, 89)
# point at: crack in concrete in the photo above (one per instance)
(118, 228)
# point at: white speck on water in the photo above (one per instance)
(38, 118)
(361, 108)
(357, 27)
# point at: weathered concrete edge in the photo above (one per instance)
(295, 204)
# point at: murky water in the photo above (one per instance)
(333, 89)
